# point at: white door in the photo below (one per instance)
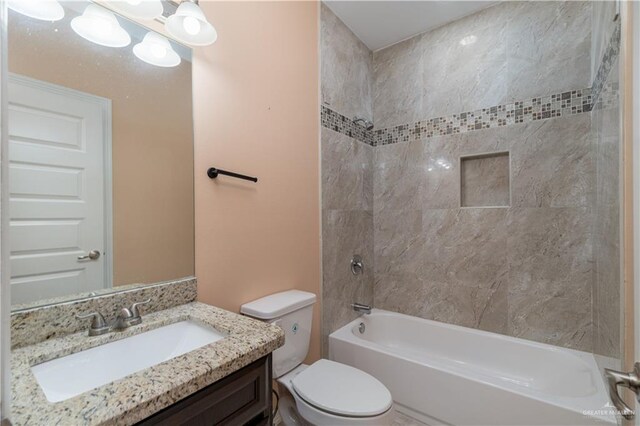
(57, 143)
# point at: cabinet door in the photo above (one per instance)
(242, 398)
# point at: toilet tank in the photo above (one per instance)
(292, 310)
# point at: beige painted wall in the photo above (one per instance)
(153, 218)
(256, 112)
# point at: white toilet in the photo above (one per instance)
(326, 393)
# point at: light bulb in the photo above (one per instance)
(191, 25)
(103, 27)
(156, 50)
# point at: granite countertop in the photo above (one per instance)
(137, 396)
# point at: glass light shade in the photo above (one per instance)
(190, 26)
(100, 26)
(45, 10)
(141, 9)
(156, 50)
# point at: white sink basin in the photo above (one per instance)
(66, 377)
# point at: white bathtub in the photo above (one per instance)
(445, 374)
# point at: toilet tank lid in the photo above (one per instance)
(278, 304)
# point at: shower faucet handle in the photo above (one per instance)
(356, 265)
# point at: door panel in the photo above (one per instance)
(57, 190)
(37, 181)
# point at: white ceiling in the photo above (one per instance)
(383, 23)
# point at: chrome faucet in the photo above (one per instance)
(363, 309)
(125, 319)
(98, 324)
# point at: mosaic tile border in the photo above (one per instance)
(533, 109)
(608, 60)
(539, 108)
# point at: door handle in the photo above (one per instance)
(628, 380)
(92, 255)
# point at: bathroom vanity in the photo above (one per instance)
(224, 382)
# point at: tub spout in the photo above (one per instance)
(363, 309)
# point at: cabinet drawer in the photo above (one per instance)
(242, 398)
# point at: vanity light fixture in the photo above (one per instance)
(100, 26)
(140, 9)
(45, 10)
(156, 50)
(190, 26)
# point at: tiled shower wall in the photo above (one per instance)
(605, 128)
(347, 181)
(522, 50)
(524, 270)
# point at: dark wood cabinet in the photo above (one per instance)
(242, 398)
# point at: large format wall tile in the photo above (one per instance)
(550, 260)
(549, 249)
(551, 319)
(442, 166)
(552, 163)
(398, 87)
(460, 78)
(401, 242)
(346, 68)
(443, 264)
(476, 306)
(398, 185)
(346, 172)
(548, 48)
(416, 175)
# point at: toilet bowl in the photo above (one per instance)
(326, 393)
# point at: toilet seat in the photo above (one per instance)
(341, 390)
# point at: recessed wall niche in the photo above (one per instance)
(484, 180)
